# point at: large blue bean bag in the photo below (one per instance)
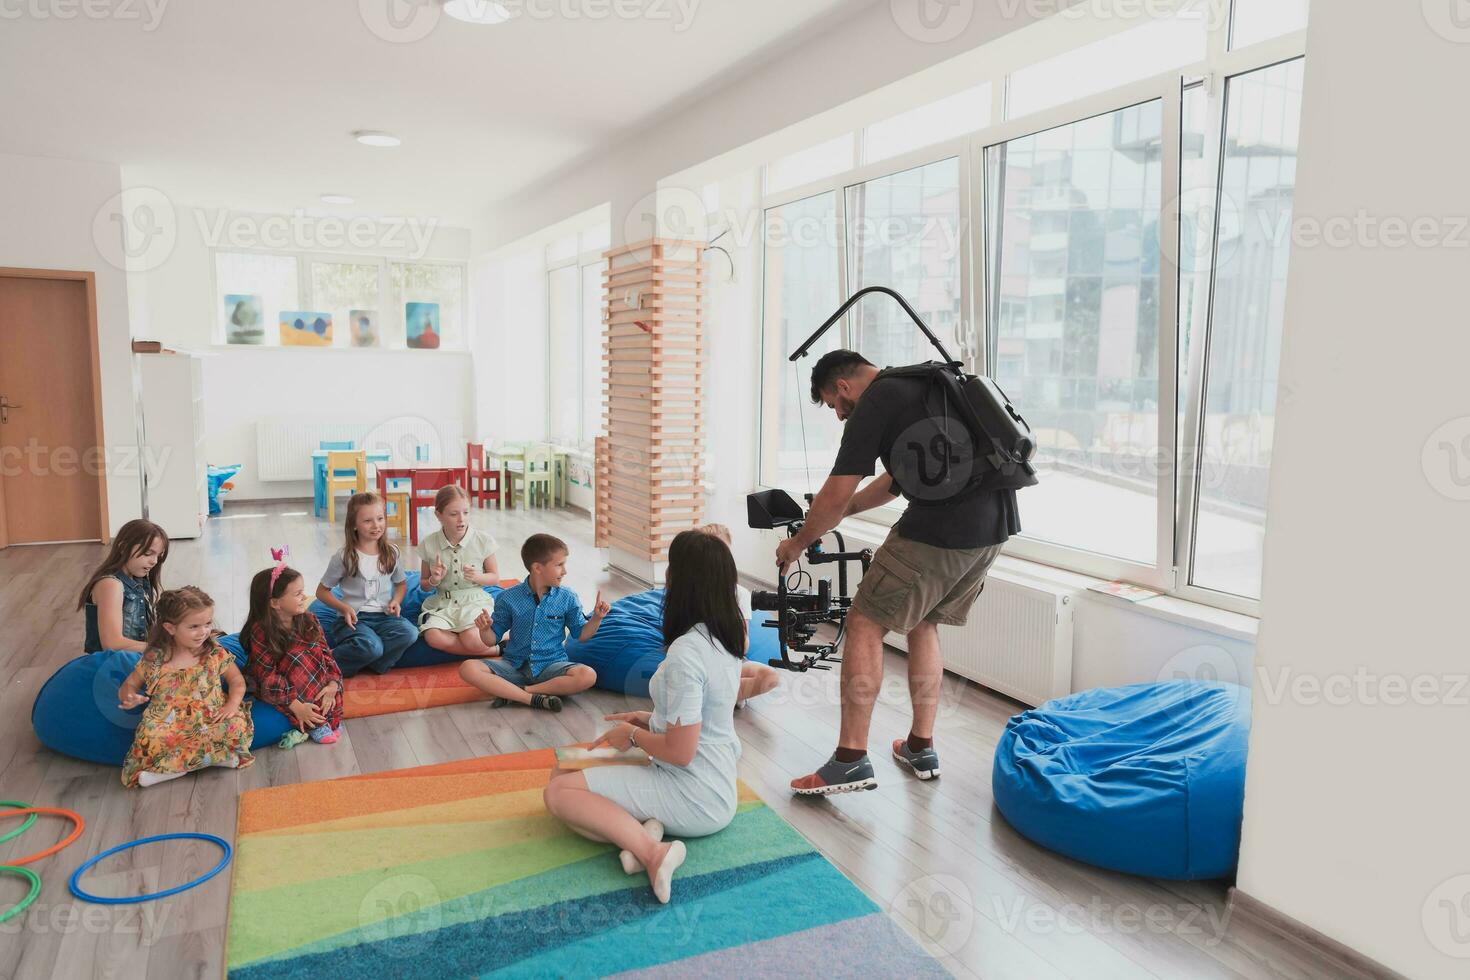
(1148, 779)
(629, 645)
(418, 655)
(76, 711)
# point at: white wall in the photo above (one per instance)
(1355, 811)
(48, 209)
(173, 301)
(863, 53)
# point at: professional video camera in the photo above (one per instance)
(800, 611)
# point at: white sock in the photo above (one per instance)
(631, 865)
(147, 778)
(663, 880)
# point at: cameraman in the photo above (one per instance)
(931, 567)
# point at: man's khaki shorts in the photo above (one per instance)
(910, 583)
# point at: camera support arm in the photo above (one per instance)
(852, 300)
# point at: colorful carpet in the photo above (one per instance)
(407, 689)
(458, 870)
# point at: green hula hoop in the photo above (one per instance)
(24, 903)
(25, 824)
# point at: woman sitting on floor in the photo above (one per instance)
(690, 788)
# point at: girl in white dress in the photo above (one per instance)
(690, 789)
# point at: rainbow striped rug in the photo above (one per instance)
(458, 870)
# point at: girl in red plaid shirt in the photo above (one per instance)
(288, 662)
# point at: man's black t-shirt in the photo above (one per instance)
(932, 460)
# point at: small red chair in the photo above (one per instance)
(480, 483)
(422, 488)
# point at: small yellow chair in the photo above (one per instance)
(346, 470)
(397, 506)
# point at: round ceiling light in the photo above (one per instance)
(372, 137)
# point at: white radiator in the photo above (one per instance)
(283, 446)
(1018, 640)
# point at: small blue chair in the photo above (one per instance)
(319, 473)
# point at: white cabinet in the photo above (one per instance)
(172, 395)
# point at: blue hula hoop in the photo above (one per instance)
(133, 899)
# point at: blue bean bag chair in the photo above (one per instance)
(76, 711)
(418, 655)
(1148, 779)
(629, 645)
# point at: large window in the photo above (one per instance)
(564, 352)
(802, 288)
(574, 338)
(1114, 253)
(1074, 312)
(1246, 322)
(905, 231)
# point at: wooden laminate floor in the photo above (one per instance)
(936, 855)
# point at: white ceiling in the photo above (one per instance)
(249, 104)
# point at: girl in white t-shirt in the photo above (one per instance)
(755, 679)
(690, 787)
(369, 632)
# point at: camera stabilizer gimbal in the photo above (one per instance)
(800, 611)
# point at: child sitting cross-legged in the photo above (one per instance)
(288, 664)
(533, 668)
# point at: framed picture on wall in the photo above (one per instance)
(243, 319)
(422, 320)
(302, 329)
(364, 326)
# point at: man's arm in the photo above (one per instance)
(875, 494)
(827, 510)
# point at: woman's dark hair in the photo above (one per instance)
(277, 639)
(700, 590)
(132, 539)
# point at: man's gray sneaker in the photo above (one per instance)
(837, 777)
(923, 763)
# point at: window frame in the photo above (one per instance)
(1177, 499)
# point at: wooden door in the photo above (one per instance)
(51, 454)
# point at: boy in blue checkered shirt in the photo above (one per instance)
(533, 668)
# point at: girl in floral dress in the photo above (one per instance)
(191, 722)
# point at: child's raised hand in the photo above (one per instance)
(438, 570)
(600, 607)
(483, 621)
